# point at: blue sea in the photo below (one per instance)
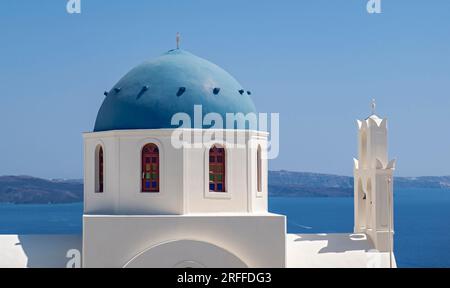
(422, 221)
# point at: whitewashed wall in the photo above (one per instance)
(183, 175)
(257, 240)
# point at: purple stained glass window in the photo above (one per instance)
(217, 169)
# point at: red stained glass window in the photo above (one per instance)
(150, 169)
(217, 169)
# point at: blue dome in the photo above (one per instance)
(150, 94)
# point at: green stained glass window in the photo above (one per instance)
(217, 164)
(150, 168)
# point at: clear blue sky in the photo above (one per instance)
(318, 63)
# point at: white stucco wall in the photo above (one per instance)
(122, 222)
(183, 174)
(113, 241)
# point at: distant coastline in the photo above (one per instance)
(304, 184)
(32, 190)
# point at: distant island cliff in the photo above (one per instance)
(31, 190)
(302, 184)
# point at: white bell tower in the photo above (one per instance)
(373, 176)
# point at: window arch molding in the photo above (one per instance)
(99, 167)
(257, 168)
(139, 169)
(227, 194)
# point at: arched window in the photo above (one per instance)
(150, 168)
(99, 169)
(217, 169)
(259, 169)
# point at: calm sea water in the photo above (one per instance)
(422, 221)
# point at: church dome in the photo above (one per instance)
(150, 94)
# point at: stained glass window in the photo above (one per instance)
(217, 169)
(150, 172)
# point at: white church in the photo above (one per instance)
(150, 203)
